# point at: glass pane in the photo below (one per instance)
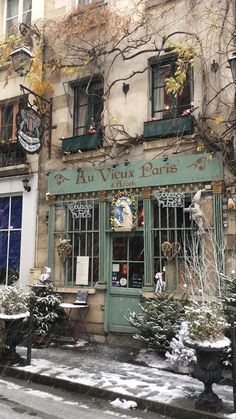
(4, 212)
(140, 214)
(136, 275)
(16, 212)
(95, 269)
(96, 217)
(27, 5)
(2, 276)
(26, 18)
(14, 251)
(12, 8)
(120, 248)
(7, 115)
(3, 249)
(136, 249)
(11, 24)
(96, 244)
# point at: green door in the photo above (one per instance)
(126, 279)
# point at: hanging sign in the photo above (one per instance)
(170, 199)
(29, 130)
(80, 210)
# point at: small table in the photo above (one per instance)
(78, 324)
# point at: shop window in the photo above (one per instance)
(18, 11)
(88, 106)
(166, 105)
(172, 226)
(82, 230)
(10, 238)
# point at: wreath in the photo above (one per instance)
(132, 204)
(64, 249)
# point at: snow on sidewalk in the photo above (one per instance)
(128, 380)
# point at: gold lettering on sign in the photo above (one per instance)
(82, 178)
(148, 170)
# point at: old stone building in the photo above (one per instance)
(142, 122)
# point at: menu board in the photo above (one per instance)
(136, 280)
(82, 270)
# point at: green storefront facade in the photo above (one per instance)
(121, 264)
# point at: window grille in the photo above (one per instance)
(83, 235)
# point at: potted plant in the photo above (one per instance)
(181, 357)
(47, 315)
(206, 326)
(14, 312)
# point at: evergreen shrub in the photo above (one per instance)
(159, 321)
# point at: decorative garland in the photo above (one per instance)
(133, 205)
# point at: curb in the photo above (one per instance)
(153, 406)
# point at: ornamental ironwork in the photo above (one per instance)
(80, 210)
(170, 199)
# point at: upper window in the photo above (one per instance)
(18, 11)
(7, 122)
(166, 105)
(88, 106)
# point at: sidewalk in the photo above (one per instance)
(103, 371)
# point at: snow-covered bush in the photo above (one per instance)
(206, 321)
(46, 311)
(14, 300)
(159, 321)
(180, 355)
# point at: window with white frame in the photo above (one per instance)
(17, 11)
(10, 238)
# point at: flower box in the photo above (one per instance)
(168, 127)
(81, 143)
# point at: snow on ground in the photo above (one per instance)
(128, 380)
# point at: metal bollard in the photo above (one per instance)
(233, 343)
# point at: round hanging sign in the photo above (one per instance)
(29, 130)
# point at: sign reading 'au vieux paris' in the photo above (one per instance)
(177, 170)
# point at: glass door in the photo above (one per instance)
(127, 260)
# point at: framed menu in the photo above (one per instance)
(82, 270)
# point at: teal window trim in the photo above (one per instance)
(218, 227)
(83, 234)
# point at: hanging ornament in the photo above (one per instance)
(92, 127)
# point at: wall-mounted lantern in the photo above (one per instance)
(26, 185)
(21, 60)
